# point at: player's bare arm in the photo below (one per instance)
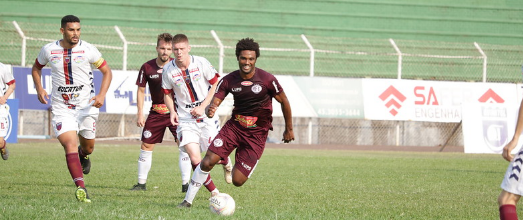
(169, 102)
(8, 93)
(140, 120)
(106, 82)
(199, 111)
(211, 108)
(42, 95)
(288, 134)
(513, 143)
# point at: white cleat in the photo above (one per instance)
(227, 171)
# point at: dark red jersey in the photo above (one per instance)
(151, 73)
(252, 98)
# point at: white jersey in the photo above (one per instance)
(6, 78)
(71, 73)
(190, 87)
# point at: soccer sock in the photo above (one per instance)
(508, 212)
(198, 178)
(209, 184)
(144, 165)
(185, 167)
(75, 169)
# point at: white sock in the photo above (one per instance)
(198, 178)
(185, 167)
(144, 165)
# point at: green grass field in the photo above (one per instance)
(287, 184)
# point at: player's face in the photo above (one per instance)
(247, 61)
(71, 34)
(164, 49)
(181, 51)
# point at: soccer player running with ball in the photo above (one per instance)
(193, 81)
(7, 87)
(75, 106)
(158, 118)
(247, 130)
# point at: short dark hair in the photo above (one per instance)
(180, 38)
(165, 37)
(247, 44)
(69, 19)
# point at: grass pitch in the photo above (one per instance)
(287, 184)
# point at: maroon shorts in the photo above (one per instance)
(155, 126)
(249, 146)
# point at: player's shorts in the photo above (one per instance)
(83, 121)
(155, 126)
(249, 146)
(4, 120)
(513, 180)
(200, 131)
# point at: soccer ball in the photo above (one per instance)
(222, 204)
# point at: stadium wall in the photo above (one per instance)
(484, 21)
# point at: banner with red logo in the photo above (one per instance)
(433, 101)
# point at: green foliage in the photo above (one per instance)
(287, 184)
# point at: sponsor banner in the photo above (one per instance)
(121, 96)
(487, 128)
(12, 118)
(25, 90)
(434, 101)
(332, 97)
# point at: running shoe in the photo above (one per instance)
(5, 153)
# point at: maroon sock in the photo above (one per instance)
(209, 184)
(508, 212)
(75, 169)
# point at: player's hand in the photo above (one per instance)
(98, 101)
(174, 118)
(288, 136)
(507, 149)
(140, 121)
(198, 111)
(3, 100)
(210, 110)
(42, 96)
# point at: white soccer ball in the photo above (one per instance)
(222, 204)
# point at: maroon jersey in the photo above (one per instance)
(151, 73)
(252, 98)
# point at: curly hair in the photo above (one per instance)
(166, 37)
(247, 44)
(69, 19)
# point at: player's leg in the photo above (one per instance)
(4, 127)
(86, 136)
(507, 205)
(209, 132)
(248, 155)
(69, 141)
(184, 163)
(3, 149)
(144, 165)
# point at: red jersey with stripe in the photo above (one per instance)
(150, 73)
(71, 72)
(191, 86)
(252, 98)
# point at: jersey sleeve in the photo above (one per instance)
(140, 81)
(166, 82)
(274, 86)
(210, 74)
(42, 59)
(221, 90)
(95, 57)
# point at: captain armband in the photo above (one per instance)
(100, 63)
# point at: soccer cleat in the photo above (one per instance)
(5, 153)
(185, 187)
(227, 171)
(86, 162)
(139, 187)
(81, 195)
(184, 205)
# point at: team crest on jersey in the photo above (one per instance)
(55, 59)
(256, 89)
(79, 59)
(218, 142)
(246, 83)
(67, 59)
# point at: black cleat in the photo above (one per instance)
(139, 187)
(5, 153)
(85, 161)
(185, 187)
(184, 205)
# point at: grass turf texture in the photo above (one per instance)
(287, 184)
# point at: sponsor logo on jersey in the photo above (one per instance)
(79, 59)
(178, 82)
(56, 52)
(155, 76)
(70, 88)
(247, 167)
(239, 89)
(256, 89)
(246, 83)
(55, 59)
(194, 70)
(159, 71)
(196, 77)
(80, 51)
(193, 105)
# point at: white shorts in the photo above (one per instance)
(198, 132)
(513, 180)
(83, 121)
(4, 120)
